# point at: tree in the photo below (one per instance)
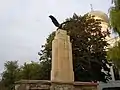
(35, 71)
(45, 70)
(114, 52)
(88, 47)
(30, 71)
(10, 75)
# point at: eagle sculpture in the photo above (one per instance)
(56, 23)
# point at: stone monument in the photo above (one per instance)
(62, 75)
(62, 67)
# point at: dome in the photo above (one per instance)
(100, 14)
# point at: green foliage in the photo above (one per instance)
(114, 54)
(115, 20)
(10, 75)
(115, 16)
(88, 46)
(30, 71)
(45, 70)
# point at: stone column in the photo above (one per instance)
(62, 66)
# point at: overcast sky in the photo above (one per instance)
(24, 24)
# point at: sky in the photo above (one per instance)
(25, 25)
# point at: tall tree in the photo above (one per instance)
(88, 47)
(114, 53)
(10, 75)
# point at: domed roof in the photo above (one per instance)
(100, 14)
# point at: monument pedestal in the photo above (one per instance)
(62, 74)
(61, 86)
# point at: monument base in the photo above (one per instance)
(61, 86)
(48, 85)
